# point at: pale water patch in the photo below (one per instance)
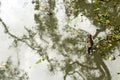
(5, 50)
(17, 14)
(114, 65)
(83, 23)
(35, 71)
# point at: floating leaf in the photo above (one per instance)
(110, 44)
(107, 21)
(99, 15)
(75, 10)
(37, 62)
(97, 9)
(67, 29)
(67, 21)
(41, 8)
(96, 18)
(97, 46)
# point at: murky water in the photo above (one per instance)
(59, 39)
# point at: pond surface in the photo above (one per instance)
(61, 37)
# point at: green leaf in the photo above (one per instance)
(37, 62)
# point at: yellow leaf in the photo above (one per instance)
(41, 8)
(97, 46)
(75, 10)
(107, 21)
(67, 21)
(110, 44)
(110, 58)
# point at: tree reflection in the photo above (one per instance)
(8, 71)
(71, 57)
